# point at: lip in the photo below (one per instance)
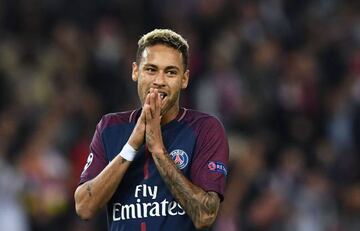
(163, 94)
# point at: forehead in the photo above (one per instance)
(162, 56)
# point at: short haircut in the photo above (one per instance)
(165, 37)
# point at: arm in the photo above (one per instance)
(201, 206)
(91, 196)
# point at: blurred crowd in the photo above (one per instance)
(283, 77)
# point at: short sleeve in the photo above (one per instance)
(96, 160)
(209, 165)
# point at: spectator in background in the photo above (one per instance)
(12, 182)
(291, 66)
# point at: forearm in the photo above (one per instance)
(201, 206)
(91, 196)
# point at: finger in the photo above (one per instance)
(147, 99)
(148, 115)
(156, 100)
(158, 105)
(145, 108)
(153, 96)
(142, 116)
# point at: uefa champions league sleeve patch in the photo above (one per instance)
(217, 166)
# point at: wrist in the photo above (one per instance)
(133, 145)
(128, 152)
(158, 151)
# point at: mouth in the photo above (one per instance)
(162, 95)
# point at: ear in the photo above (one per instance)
(185, 79)
(135, 71)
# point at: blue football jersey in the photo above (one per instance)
(198, 146)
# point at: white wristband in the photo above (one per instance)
(128, 152)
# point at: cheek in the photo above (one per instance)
(144, 80)
(143, 87)
(141, 90)
(176, 86)
(141, 84)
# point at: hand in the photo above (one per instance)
(137, 136)
(152, 108)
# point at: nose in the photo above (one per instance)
(159, 79)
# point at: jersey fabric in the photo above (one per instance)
(194, 140)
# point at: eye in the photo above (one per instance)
(171, 72)
(150, 70)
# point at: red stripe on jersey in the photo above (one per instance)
(146, 165)
(143, 226)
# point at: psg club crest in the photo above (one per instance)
(180, 158)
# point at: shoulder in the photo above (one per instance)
(202, 122)
(116, 118)
(195, 117)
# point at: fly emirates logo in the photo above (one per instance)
(148, 209)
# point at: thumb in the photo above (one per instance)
(142, 116)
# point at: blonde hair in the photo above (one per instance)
(165, 37)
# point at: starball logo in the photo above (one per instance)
(146, 209)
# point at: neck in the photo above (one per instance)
(170, 115)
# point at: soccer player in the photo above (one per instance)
(160, 167)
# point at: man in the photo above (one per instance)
(160, 167)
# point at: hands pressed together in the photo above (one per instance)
(148, 126)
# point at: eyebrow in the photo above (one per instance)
(150, 65)
(166, 68)
(172, 67)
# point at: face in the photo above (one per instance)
(161, 67)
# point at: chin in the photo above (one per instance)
(165, 109)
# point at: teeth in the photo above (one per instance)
(162, 94)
